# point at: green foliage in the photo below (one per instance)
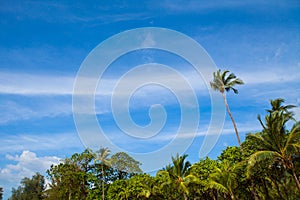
(125, 165)
(140, 186)
(276, 144)
(202, 171)
(223, 82)
(118, 190)
(268, 168)
(232, 155)
(224, 179)
(89, 175)
(71, 178)
(30, 189)
(179, 175)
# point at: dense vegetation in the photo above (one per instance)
(267, 168)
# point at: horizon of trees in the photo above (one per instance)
(266, 167)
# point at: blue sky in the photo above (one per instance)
(42, 45)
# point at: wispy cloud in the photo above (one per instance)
(27, 84)
(177, 5)
(243, 128)
(41, 142)
(171, 133)
(56, 91)
(32, 108)
(73, 13)
(274, 75)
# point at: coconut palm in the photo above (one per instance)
(277, 144)
(224, 179)
(278, 107)
(221, 82)
(102, 156)
(179, 174)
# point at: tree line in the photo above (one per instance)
(267, 168)
(264, 167)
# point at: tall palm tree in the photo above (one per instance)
(221, 82)
(102, 156)
(179, 174)
(275, 142)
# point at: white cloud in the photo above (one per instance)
(26, 165)
(38, 84)
(28, 84)
(274, 75)
(55, 92)
(34, 142)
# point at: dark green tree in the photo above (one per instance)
(140, 186)
(202, 171)
(125, 165)
(30, 189)
(71, 178)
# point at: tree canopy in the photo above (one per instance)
(267, 168)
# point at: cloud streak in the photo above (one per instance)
(38, 84)
(41, 142)
(27, 84)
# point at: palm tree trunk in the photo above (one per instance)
(296, 179)
(102, 181)
(253, 191)
(233, 122)
(184, 196)
(265, 187)
(231, 194)
(277, 188)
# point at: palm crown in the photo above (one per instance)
(222, 82)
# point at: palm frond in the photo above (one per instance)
(293, 139)
(235, 90)
(261, 156)
(223, 82)
(215, 185)
(222, 75)
(229, 78)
